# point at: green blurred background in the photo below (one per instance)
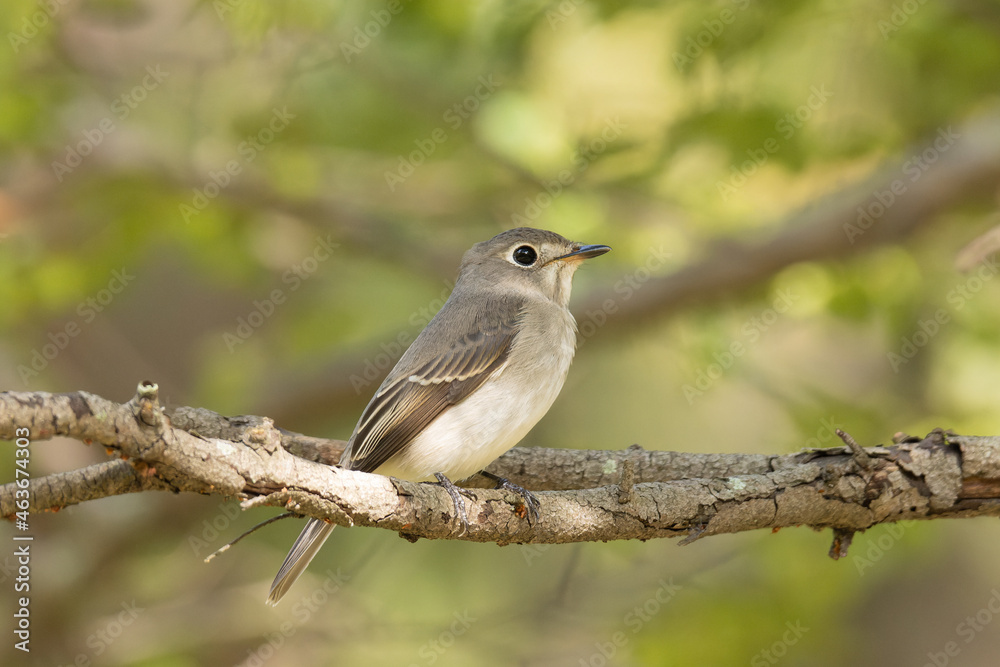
(171, 170)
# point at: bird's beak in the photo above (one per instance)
(583, 252)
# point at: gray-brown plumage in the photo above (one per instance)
(476, 379)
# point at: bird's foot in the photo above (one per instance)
(530, 501)
(456, 493)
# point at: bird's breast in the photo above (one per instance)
(470, 435)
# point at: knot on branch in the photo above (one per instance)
(263, 436)
(145, 405)
(841, 543)
(627, 483)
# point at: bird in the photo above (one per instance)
(481, 374)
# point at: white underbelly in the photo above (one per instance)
(469, 436)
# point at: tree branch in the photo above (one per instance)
(584, 495)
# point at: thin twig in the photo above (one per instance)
(859, 453)
(286, 515)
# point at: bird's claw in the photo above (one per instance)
(531, 503)
(456, 493)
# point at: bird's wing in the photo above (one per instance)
(403, 407)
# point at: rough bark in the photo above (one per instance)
(585, 495)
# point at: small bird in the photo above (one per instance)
(485, 369)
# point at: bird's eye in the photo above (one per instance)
(525, 255)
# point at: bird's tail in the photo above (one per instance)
(310, 540)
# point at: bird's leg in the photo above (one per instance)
(530, 501)
(456, 494)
